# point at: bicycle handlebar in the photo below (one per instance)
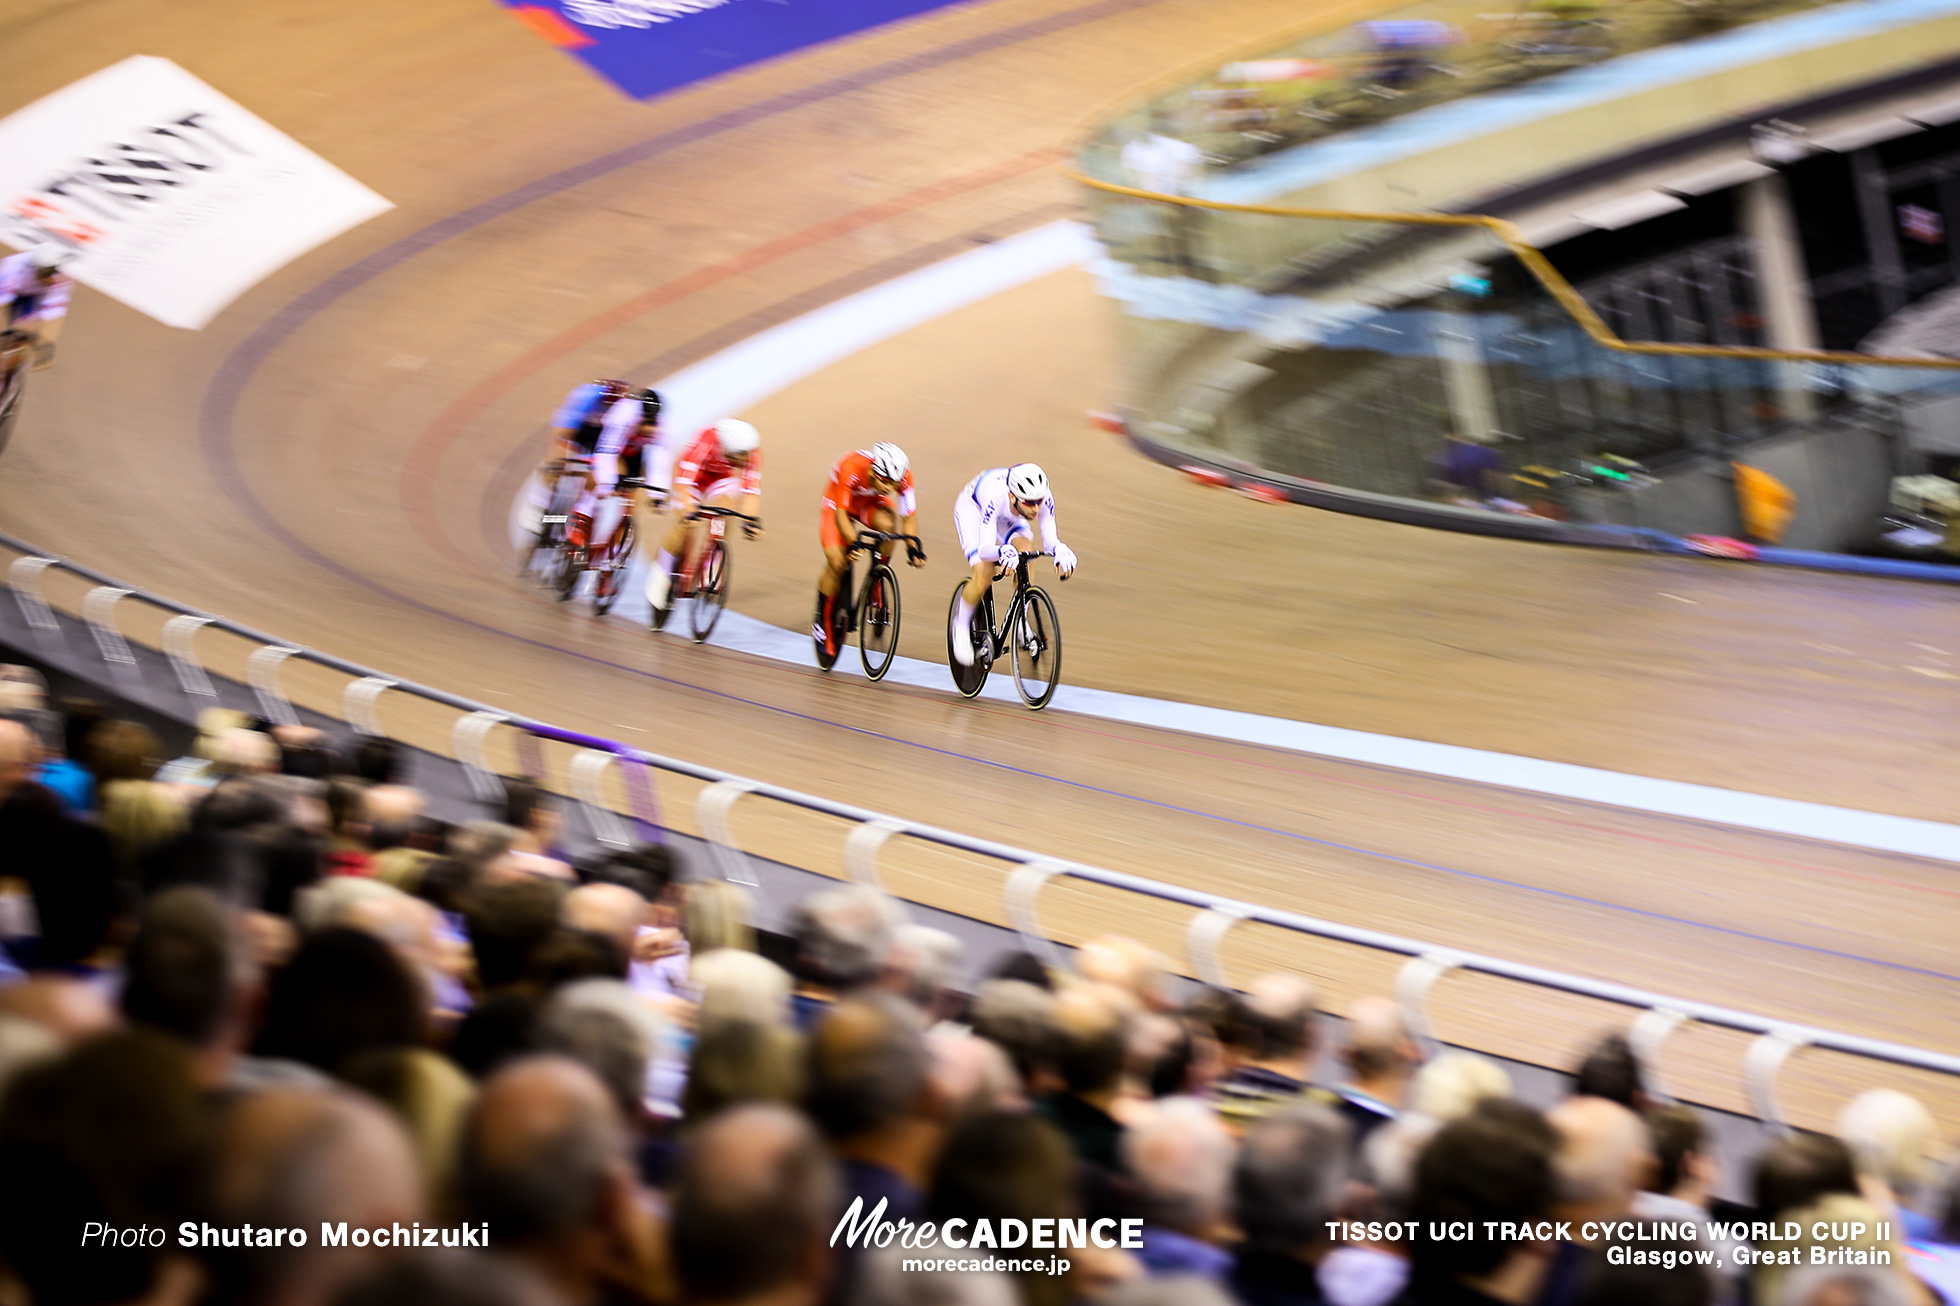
(715, 510)
(868, 540)
(1026, 558)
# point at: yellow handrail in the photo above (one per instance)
(1541, 268)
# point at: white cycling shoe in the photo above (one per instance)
(962, 632)
(656, 588)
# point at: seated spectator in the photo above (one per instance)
(429, 1097)
(300, 1158)
(111, 1132)
(1176, 1056)
(380, 761)
(532, 810)
(718, 914)
(739, 985)
(842, 936)
(391, 820)
(872, 1096)
(1091, 1052)
(1382, 1059)
(1614, 1282)
(611, 1031)
(1180, 1162)
(1495, 1163)
(191, 975)
(507, 920)
(1127, 964)
(1025, 967)
(1287, 1186)
(1604, 1158)
(1019, 1019)
(753, 1212)
(1011, 1166)
(1842, 1223)
(923, 966)
(1681, 1185)
(453, 1278)
(566, 956)
(138, 814)
(1270, 1044)
(63, 768)
(303, 752)
(344, 993)
(622, 915)
(743, 1061)
(547, 1164)
(1612, 1071)
(1455, 1084)
(1799, 1170)
(1893, 1141)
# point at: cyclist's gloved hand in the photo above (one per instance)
(1010, 558)
(1064, 559)
(915, 554)
(752, 529)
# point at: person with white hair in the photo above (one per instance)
(1893, 1139)
(617, 1035)
(923, 966)
(842, 938)
(1180, 1157)
(735, 984)
(1451, 1086)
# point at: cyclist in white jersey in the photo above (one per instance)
(994, 514)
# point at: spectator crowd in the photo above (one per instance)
(260, 987)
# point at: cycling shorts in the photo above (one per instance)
(722, 487)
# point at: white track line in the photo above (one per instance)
(746, 373)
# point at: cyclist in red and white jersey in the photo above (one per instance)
(994, 514)
(628, 427)
(721, 467)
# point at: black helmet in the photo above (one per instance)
(649, 405)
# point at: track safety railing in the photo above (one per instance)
(1772, 1044)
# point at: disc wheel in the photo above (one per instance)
(711, 596)
(606, 585)
(1037, 641)
(968, 680)
(878, 623)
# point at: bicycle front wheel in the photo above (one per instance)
(1037, 639)
(711, 595)
(605, 589)
(878, 622)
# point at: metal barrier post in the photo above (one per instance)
(1022, 888)
(24, 578)
(711, 811)
(585, 771)
(178, 635)
(861, 850)
(262, 673)
(99, 610)
(467, 742)
(1206, 933)
(1646, 1037)
(357, 703)
(1412, 984)
(1760, 1067)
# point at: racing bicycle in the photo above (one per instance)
(706, 582)
(569, 474)
(1030, 631)
(874, 616)
(608, 562)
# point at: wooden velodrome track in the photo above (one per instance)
(331, 460)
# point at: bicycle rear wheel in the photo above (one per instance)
(571, 565)
(878, 622)
(968, 680)
(1036, 636)
(711, 593)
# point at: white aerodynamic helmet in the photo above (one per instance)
(889, 461)
(736, 436)
(1027, 482)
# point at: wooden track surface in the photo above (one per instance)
(333, 465)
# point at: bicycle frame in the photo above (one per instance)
(867, 542)
(716, 517)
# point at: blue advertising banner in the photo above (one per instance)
(645, 47)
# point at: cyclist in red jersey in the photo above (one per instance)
(862, 488)
(722, 465)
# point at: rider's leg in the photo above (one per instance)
(970, 595)
(660, 579)
(883, 519)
